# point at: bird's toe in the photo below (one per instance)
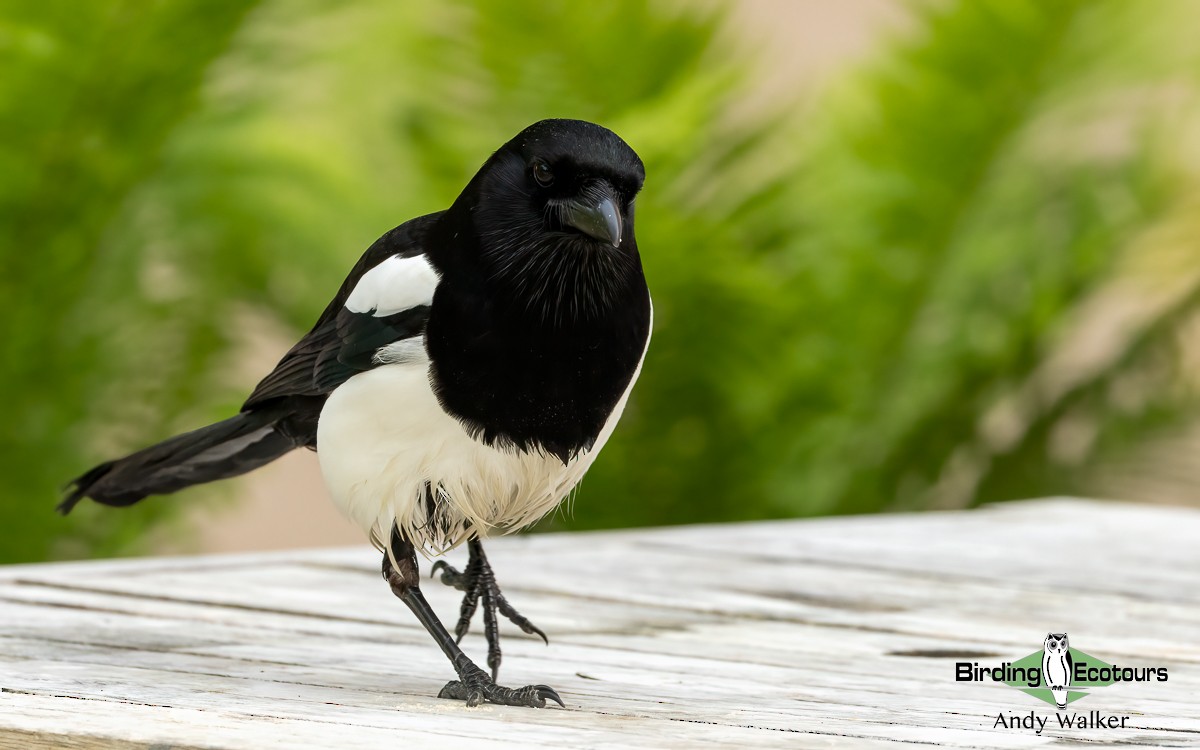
(475, 692)
(545, 692)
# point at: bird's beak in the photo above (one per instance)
(596, 218)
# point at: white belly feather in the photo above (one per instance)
(383, 438)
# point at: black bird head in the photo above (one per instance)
(552, 216)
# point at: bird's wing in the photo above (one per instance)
(384, 301)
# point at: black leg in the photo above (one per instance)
(473, 685)
(479, 583)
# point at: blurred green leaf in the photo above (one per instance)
(90, 94)
(856, 301)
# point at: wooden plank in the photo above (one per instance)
(835, 631)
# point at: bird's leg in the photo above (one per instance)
(473, 684)
(478, 582)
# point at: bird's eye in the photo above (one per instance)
(542, 174)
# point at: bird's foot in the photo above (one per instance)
(479, 586)
(475, 687)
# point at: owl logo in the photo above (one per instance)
(1057, 667)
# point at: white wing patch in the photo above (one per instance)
(393, 286)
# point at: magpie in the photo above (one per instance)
(460, 383)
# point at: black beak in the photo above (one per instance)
(596, 218)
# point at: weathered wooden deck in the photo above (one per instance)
(836, 632)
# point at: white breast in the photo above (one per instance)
(383, 438)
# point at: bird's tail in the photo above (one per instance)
(225, 449)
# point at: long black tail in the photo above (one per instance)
(225, 449)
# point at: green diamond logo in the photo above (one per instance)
(1077, 688)
(1058, 674)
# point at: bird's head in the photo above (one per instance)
(552, 209)
(1056, 643)
(569, 179)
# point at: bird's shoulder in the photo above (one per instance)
(405, 242)
(383, 301)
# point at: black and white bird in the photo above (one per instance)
(461, 381)
(1057, 667)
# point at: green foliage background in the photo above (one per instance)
(872, 300)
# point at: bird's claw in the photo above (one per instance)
(481, 690)
(479, 586)
(450, 575)
(518, 619)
